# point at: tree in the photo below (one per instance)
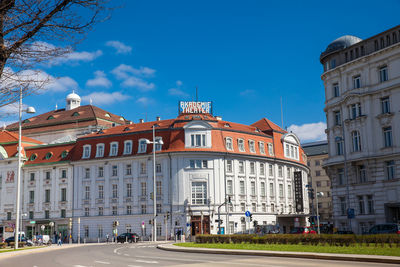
(33, 31)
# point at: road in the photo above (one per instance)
(147, 255)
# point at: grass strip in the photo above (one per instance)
(25, 248)
(357, 249)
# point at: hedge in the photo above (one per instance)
(305, 239)
(20, 244)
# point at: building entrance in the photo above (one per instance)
(200, 226)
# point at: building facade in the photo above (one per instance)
(362, 89)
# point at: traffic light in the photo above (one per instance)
(251, 217)
(151, 196)
(229, 199)
(311, 220)
(255, 223)
(167, 215)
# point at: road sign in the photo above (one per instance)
(32, 222)
(247, 213)
(187, 224)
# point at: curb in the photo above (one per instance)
(304, 255)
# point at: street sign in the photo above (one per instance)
(32, 222)
(247, 213)
(298, 191)
(187, 224)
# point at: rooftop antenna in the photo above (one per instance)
(281, 113)
(56, 106)
(91, 101)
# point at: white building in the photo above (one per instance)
(362, 88)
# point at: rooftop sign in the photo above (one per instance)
(195, 107)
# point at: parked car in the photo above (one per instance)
(11, 239)
(303, 230)
(386, 228)
(130, 237)
(344, 232)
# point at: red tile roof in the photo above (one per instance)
(9, 141)
(55, 151)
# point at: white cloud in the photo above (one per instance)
(309, 131)
(120, 47)
(103, 98)
(145, 101)
(11, 108)
(179, 83)
(75, 57)
(99, 80)
(138, 83)
(62, 84)
(132, 77)
(177, 91)
(247, 92)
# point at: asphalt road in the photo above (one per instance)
(147, 255)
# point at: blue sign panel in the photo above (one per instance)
(247, 213)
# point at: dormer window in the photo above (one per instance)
(241, 145)
(291, 144)
(33, 157)
(64, 154)
(198, 140)
(198, 134)
(252, 146)
(99, 150)
(75, 114)
(26, 121)
(128, 147)
(159, 143)
(142, 146)
(113, 148)
(262, 147)
(48, 155)
(107, 115)
(86, 151)
(50, 118)
(228, 143)
(270, 149)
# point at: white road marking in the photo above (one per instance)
(134, 266)
(81, 266)
(147, 261)
(102, 262)
(116, 251)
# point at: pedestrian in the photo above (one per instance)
(107, 237)
(59, 239)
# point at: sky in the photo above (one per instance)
(244, 56)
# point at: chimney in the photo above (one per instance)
(158, 118)
(141, 120)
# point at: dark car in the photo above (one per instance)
(344, 232)
(386, 228)
(130, 237)
(303, 230)
(11, 239)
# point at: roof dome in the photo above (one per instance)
(341, 43)
(73, 96)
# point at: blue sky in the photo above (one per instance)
(242, 55)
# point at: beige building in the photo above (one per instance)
(316, 153)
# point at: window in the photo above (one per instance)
(46, 214)
(288, 172)
(241, 167)
(356, 82)
(340, 173)
(253, 207)
(229, 166)
(336, 92)
(128, 169)
(142, 146)
(113, 148)
(47, 195)
(343, 208)
(270, 149)
(394, 37)
(87, 173)
(272, 207)
(280, 171)
(159, 188)
(262, 189)
(143, 209)
(241, 145)
(114, 170)
(127, 147)
(387, 136)
(318, 183)
(390, 169)
(252, 168)
(339, 145)
(198, 140)
(63, 194)
(362, 174)
(228, 143)
(199, 193)
(100, 171)
(63, 173)
(280, 190)
(253, 188)
(143, 168)
(338, 119)
(333, 63)
(86, 211)
(129, 209)
(362, 50)
(383, 74)
(317, 173)
(261, 147)
(242, 207)
(289, 191)
(32, 177)
(385, 105)
(370, 204)
(63, 213)
(8, 216)
(158, 208)
(87, 192)
(101, 191)
(114, 190)
(129, 190)
(99, 231)
(262, 169)
(271, 170)
(252, 146)
(48, 175)
(99, 150)
(31, 196)
(143, 188)
(242, 189)
(158, 167)
(159, 143)
(31, 215)
(86, 151)
(229, 187)
(361, 209)
(376, 45)
(100, 211)
(355, 136)
(114, 210)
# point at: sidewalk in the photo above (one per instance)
(305, 255)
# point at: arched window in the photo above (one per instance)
(241, 145)
(113, 148)
(99, 150)
(127, 147)
(64, 154)
(228, 143)
(355, 136)
(48, 155)
(86, 151)
(33, 157)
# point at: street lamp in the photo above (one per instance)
(29, 110)
(318, 194)
(154, 142)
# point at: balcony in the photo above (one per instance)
(128, 199)
(86, 201)
(114, 200)
(142, 198)
(99, 201)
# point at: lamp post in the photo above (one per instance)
(20, 110)
(154, 142)
(20, 226)
(318, 194)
